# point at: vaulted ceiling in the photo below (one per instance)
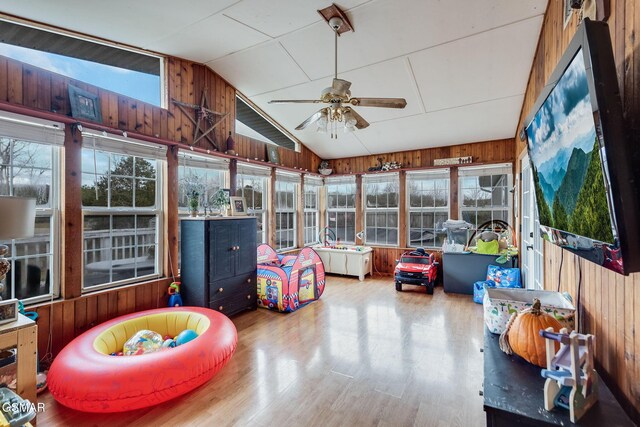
(462, 65)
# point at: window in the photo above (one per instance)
(381, 194)
(286, 208)
(205, 175)
(252, 183)
(484, 193)
(252, 122)
(311, 209)
(428, 207)
(341, 208)
(121, 203)
(124, 71)
(29, 167)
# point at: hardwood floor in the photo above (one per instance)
(362, 355)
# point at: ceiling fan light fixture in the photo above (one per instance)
(339, 113)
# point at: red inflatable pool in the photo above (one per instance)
(85, 377)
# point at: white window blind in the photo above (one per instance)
(288, 177)
(113, 143)
(247, 169)
(428, 174)
(498, 169)
(344, 179)
(205, 162)
(312, 181)
(379, 178)
(31, 129)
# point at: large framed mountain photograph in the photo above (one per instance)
(586, 185)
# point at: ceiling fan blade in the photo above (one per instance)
(361, 123)
(340, 87)
(296, 101)
(314, 118)
(379, 102)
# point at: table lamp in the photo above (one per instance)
(17, 220)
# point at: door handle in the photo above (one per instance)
(529, 247)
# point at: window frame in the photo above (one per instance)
(110, 49)
(257, 173)
(188, 160)
(110, 144)
(284, 188)
(381, 179)
(18, 128)
(424, 175)
(347, 209)
(314, 229)
(487, 170)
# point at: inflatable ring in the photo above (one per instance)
(85, 377)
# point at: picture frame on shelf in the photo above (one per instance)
(8, 311)
(238, 206)
(84, 105)
(272, 154)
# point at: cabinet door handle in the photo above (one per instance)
(221, 290)
(221, 308)
(237, 248)
(248, 280)
(248, 296)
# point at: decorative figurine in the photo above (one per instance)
(571, 383)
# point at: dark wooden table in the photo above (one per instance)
(513, 394)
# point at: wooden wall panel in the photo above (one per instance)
(66, 319)
(41, 91)
(498, 151)
(609, 303)
(38, 89)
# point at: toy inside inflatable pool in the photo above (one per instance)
(85, 377)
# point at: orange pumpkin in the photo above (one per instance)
(523, 334)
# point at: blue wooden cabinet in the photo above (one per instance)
(218, 263)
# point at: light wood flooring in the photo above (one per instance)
(363, 355)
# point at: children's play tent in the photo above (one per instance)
(286, 283)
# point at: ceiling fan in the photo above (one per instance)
(338, 96)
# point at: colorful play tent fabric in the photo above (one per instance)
(286, 283)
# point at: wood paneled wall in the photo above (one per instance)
(609, 303)
(498, 151)
(42, 92)
(68, 318)
(32, 87)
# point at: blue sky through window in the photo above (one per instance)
(142, 86)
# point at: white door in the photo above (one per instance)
(532, 251)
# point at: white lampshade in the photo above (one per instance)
(17, 217)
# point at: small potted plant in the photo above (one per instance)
(324, 168)
(220, 200)
(194, 201)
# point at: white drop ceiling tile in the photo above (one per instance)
(135, 23)
(490, 65)
(224, 36)
(387, 29)
(346, 145)
(473, 123)
(287, 16)
(266, 67)
(389, 79)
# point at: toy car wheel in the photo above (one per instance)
(398, 286)
(430, 286)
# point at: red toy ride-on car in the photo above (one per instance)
(416, 268)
